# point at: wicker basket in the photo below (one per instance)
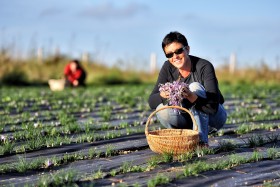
(56, 84)
(176, 141)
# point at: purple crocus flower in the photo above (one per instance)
(176, 90)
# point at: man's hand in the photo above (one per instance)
(191, 96)
(76, 83)
(186, 92)
(165, 94)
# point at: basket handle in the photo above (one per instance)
(164, 107)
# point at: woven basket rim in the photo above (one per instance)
(164, 107)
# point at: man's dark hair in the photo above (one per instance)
(77, 62)
(174, 37)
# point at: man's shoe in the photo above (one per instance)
(203, 145)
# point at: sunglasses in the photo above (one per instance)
(177, 52)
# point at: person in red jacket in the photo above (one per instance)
(74, 74)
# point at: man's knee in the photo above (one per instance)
(198, 89)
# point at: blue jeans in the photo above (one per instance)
(206, 123)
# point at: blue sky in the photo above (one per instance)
(130, 30)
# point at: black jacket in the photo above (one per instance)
(202, 71)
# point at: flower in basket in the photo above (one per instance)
(176, 90)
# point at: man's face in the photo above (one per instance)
(176, 54)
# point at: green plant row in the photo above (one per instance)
(247, 128)
(245, 114)
(189, 169)
(39, 141)
(224, 146)
(32, 98)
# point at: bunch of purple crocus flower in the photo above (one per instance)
(176, 90)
